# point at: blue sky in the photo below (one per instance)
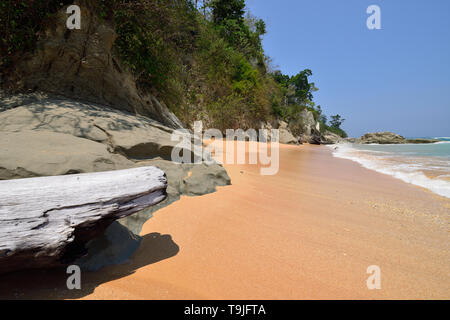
(394, 79)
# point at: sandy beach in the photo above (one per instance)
(309, 232)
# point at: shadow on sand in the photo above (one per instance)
(51, 284)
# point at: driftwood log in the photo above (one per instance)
(46, 221)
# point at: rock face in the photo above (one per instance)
(59, 136)
(305, 127)
(285, 134)
(44, 153)
(81, 64)
(381, 138)
(389, 138)
(135, 137)
(331, 138)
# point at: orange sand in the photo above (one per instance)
(309, 232)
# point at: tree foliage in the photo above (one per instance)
(223, 10)
(336, 121)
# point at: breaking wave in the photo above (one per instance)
(427, 166)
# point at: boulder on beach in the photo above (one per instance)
(285, 135)
(133, 136)
(305, 127)
(331, 138)
(43, 153)
(389, 138)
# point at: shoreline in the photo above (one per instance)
(309, 232)
(426, 170)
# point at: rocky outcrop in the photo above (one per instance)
(422, 140)
(43, 153)
(43, 135)
(331, 138)
(389, 138)
(135, 137)
(285, 134)
(381, 138)
(81, 64)
(306, 128)
(59, 136)
(303, 129)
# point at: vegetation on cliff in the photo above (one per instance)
(204, 59)
(21, 23)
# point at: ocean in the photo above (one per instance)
(424, 165)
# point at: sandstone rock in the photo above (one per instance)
(282, 125)
(203, 179)
(350, 140)
(422, 140)
(309, 123)
(381, 138)
(136, 137)
(286, 137)
(389, 138)
(305, 127)
(118, 135)
(10, 101)
(285, 134)
(315, 138)
(331, 138)
(44, 153)
(303, 124)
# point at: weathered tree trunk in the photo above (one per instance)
(46, 221)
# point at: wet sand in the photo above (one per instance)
(309, 232)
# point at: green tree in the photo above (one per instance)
(303, 88)
(260, 27)
(336, 121)
(223, 10)
(296, 89)
(281, 78)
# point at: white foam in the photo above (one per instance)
(407, 173)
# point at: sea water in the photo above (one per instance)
(424, 165)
